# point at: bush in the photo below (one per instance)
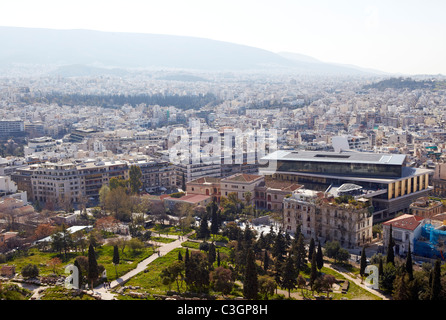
(30, 271)
(204, 246)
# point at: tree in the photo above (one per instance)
(265, 261)
(313, 273)
(267, 285)
(30, 271)
(197, 271)
(250, 284)
(203, 232)
(43, 230)
(135, 176)
(301, 283)
(319, 257)
(279, 247)
(221, 280)
(211, 254)
(401, 290)
(436, 286)
(54, 263)
(409, 264)
(387, 277)
(363, 263)
(116, 258)
(300, 253)
(93, 272)
(173, 273)
(118, 203)
(390, 253)
(289, 276)
(311, 249)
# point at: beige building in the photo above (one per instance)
(426, 208)
(241, 183)
(52, 182)
(325, 219)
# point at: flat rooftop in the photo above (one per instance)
(338, 157)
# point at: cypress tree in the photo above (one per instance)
(93, 272)
(390, 253)
(250, 284)
(314, 273)
(211, 254)
(116, 258)
(78, 266)
(218, 258)
(311, 249)
(409, 264)
(265, 261)
(436, 281)
(363, 263)
(319, 257)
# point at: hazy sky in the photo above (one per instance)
(393, 35)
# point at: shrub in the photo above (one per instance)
(30, 271)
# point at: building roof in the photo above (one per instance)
(242, 177)
(205, 180)
(405, 221)
(344, 156)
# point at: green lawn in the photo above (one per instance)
(129, 260)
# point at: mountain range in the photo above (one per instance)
(86, 52)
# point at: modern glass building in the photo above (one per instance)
(384, 178)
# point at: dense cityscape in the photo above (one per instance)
(207, 159)
(86, 175)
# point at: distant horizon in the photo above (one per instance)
(400, 37)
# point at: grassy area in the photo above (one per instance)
(128, 261)
(169, 229)
(162, 239)
(151, 280)
(104, 254)
(60, 293)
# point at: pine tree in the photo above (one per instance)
(93, 272)
(319, 257)
(279, 247)
(289, 280)
(250, 284)
(300, 254)
(401, 290)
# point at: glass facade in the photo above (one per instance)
(341, 168)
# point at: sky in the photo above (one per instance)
(396, 36)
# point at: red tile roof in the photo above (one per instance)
(405, 221)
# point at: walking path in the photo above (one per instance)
(356, 280)
(164, 248)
